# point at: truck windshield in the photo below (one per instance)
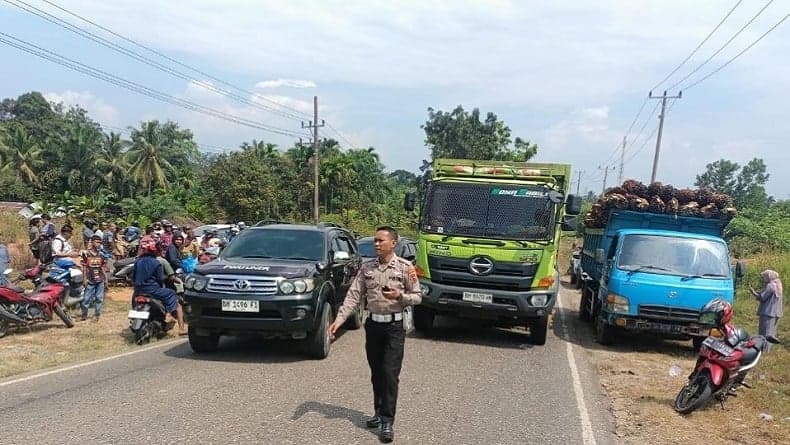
(516, 212)
(277, 243)
(671, 255)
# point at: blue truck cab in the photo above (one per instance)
(647, 272)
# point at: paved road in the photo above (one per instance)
(462, 386)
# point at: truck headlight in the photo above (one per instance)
(425, 289)
(617, 303)
(539, 300)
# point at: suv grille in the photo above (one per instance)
(242, 284)
(668, 313)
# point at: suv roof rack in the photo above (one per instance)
(266, 222)
(324, 224)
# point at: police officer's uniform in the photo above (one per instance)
(384, 333)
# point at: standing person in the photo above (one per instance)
(166, 238)
(191, 245)
(34, 232)
(389, 285)
(108, 245)
(94, 272)
(770, 307)
(149, 278)
(5, 260)
(740, 271)
(173, 254)
(100, 229)
(87, 233)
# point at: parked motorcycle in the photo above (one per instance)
(722, 364)
(66, 270)
(20, 309)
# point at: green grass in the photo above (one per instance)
(771, 393)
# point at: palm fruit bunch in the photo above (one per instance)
(660, 198)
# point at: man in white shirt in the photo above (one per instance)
(61, 248)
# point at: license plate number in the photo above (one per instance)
(142, 315)
(718, 346)
(476, 297)
(240, 305)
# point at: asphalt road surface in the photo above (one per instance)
(464, 385)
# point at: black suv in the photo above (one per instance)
(280, 280)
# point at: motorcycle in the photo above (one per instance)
(722, 366)
(147, 319)
(20, 309)
(66, 269)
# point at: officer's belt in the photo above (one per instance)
(386, 318)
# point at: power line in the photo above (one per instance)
(649, 137)
(630, 127)
(298, 114)
(135, 87)
(697, 48)
(120, 131)
(722, 47)
(140, 58)
(698, 81)
(341, 136)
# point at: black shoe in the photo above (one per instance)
(373, 422)
(387, 433)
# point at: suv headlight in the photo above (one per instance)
(299, 286)
(617, 303)
(539, 300)
(200, 283)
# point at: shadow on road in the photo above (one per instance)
(356, 418)
(581, 332)
(474, 332)
(245, 349)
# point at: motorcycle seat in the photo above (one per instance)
(15, 288)
(749, 355)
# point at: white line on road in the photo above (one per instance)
(587, 432)
(92, 362)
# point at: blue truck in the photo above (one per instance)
(652, 273)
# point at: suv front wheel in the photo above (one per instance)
(317, 342)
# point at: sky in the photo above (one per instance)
(570, 76)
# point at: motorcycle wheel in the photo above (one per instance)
(64, 316)
(4, 325)
(696, 392)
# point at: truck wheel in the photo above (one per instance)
(584, 305)
(423, 319)
(573, 278)
(356, 320)
(317, 342)
(579, 282)
(202, 343)
(604, 333)
(538, 330)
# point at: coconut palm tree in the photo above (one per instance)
(148, 156)
(21, 155)
(113, 165)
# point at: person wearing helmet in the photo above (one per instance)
(158, 228)
(133, 232)
(241, 225)
(234, 231)
(149, 279)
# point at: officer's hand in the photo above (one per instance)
(392, 294)
(333, 329)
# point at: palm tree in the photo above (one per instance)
(148, 156)
(21, 155)
(80, 147)
(112, 163)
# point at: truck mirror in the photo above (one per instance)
(573, 205)
(569, 223)
(599, 255)
(409, 201)
(555, 196)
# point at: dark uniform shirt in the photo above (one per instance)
(372, 277)
(148, 274)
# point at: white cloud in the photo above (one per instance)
(96, 107)
(289, 83)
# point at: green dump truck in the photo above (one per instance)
(488, 239)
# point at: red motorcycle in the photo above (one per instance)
(20, 309)
(722, 364)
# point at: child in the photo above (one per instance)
(95, 276)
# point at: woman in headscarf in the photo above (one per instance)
(770, 308)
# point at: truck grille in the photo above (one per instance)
(506, 276)
(668, 313)
(241, 284)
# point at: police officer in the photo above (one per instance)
(388, 284)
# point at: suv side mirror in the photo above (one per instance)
(341, 256)
(409, 201)
(569, 223)
(573, 205)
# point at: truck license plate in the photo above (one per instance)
(476, 297)
(240, 305)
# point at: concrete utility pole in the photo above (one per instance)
(663, 98)
(605, 175)
(622, 162)
(579, 181)
(315, 126)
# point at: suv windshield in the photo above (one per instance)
(277, 243)
(517, 212)
(670, 255)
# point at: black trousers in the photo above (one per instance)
(384, 348)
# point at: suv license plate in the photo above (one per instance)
(475, 297)
(240, 305)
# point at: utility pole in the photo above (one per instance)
(605, 174)
(579, 181)
(663, 98)
(314, 125)
(622, 162)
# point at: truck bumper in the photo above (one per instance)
(289, 316)
(667, 328)
(505, 306)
